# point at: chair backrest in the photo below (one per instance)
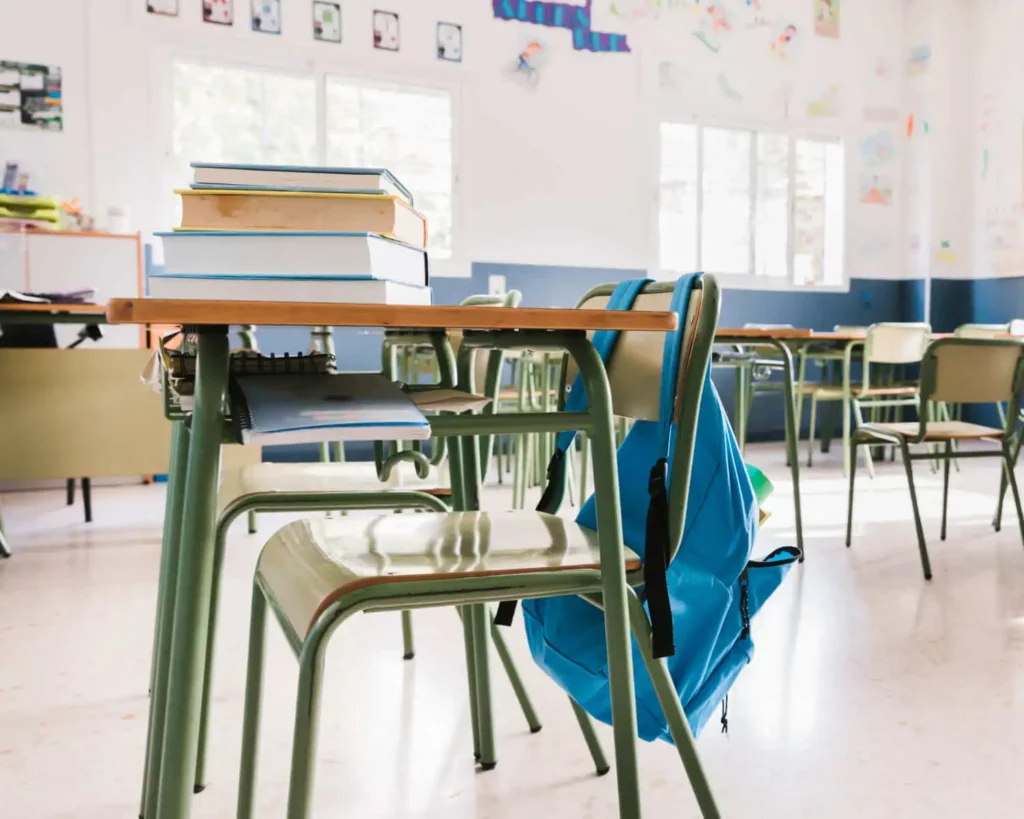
(981, 330)
(896, 342)
(849, 328)
(634, 374)
(973, 371)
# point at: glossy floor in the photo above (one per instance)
(873, 693)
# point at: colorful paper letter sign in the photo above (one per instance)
(561, 15)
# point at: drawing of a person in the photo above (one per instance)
(532, 50)
(781, 45)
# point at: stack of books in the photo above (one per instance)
(18, 210)
(295, 233)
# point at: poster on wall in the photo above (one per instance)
(266, 16)
(875, 189)
(219, 12)
(713, 26)
(30, 96)
(826, 18)
(169, 8)
(385, 31)
(449, 42)
(827, 104)
(575, 18)
(327, 22)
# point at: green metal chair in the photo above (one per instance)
(315, 574)
(886, 343)
(958, 371)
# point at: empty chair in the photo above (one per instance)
(962, 371)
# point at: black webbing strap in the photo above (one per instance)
(656, 560)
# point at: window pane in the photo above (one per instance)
(725, 220)
(226, 114)
(771, 237)
(409, 132)
(809, 212)
(677, 200)
(834, 213)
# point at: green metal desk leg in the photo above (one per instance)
(613, 576)
(482, 646)
(166, 589)
(792, 438)
(195, 575)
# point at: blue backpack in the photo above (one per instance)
(700, 603)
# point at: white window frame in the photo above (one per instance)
(746, 281)
(448, 79)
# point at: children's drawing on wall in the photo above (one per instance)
(385, 31)
(944, 252)
(827, 104)
(327, 22)
(713, 25)
(783, 43)
(527, 65)
(878, 149)
(727, 89)
(826, 18)
(753, 15)
(449, 42)
(647, 9)
(266, 16)
(919, 59)
(882, 68)
(169, 8)
(875, 189)
(219, 12)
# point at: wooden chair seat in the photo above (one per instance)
(836, 392)
(309, 564)
(937, 431)
(351, 476)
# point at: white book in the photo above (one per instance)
(362, 180)
(286, 253)
(321, 289)
(299, 409)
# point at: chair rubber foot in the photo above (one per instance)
(476, 756)
(198, 788)
(409, 656)
(488, 766)
(535, 729)
(604, 770)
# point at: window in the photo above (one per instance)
(224, 113)
(228, 114)
(407, 130)
(742, 202)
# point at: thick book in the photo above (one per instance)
(364, 180)
(286, 253)
(300, 409)
(324, 289)
(236, 209)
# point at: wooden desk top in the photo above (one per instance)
(92, 310)
(776, 334)
(266, 313)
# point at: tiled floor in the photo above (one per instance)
(873, 693)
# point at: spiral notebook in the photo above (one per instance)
(300, 409)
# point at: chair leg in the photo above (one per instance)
(590, 736)
(867, 450)
(810, 431)
(71, 491)
(513, 677)
(474, 714)
(481, 644)
(253, 528)
(307, 724)
(584, 458)
(668, 697)
(849, 505)
(87, 498)
(908, 465)
(408, 649)
(1008, 469)
(945, 488)
(253, 703)
(740, 407)
(997, 520)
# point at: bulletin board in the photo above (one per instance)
(30, 96)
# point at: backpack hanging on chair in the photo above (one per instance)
(701, 600)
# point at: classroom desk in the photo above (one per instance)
(187, 553)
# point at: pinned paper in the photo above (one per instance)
(826, 18)
(875, 189)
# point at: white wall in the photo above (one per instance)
(563, 174)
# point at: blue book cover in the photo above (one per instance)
(289, 409)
